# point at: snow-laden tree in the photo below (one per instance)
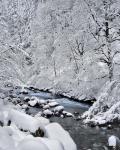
(104, 22)
(15, 42)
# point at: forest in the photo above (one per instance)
(59, 74)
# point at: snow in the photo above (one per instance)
(58, 108)
(55, 131)
(32, 103)
(53, 104)
(47, 112)
(39, 47)
(68, 114)
(112, 141)
(24, 106)
(41, 101)
(36, 55)
(24, 121)
(23, 90)
(26, 99)
(43, 121)
(30, 144)
(106, 108)
(13, 138)
(52, 144)
(34, 98)
(46, 107)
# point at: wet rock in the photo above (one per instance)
(12, 95)
(24, 106)
(76, 113)
(38, 133)
(57, 114)
(23, 91)
(105, 148)
(78, 118)
(109, 127)
(92, 125)
(67, 114)
(48, 113)
(27, 99)
(59, 109)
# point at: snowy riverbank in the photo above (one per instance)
(107, 107)
(20, 131)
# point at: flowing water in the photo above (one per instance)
(85, 137)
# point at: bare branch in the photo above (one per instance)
(117, 52)
(104, 60)
(92, 15)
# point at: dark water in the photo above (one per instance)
(85, 137)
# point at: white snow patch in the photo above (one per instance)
(59, 108)
(112, 141)
(24, 121)
(32, 103)
(55, 131)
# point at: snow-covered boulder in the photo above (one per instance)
(58, 109)
(48, 113)
(114, 141)
(25, 106)
(68, 114)
(53, 104)
(23, 91)
(46, 106)
(107, 107)
(41, 101)
(26, 99)
(55, 131)
(32, 103)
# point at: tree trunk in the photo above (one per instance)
(110, 67)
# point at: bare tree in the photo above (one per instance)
(104, 27)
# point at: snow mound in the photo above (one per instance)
(52, 144)
(53, 104)
(32, 103)
(30, 144)
(26, 122)
(46, 107)
(47, 112)
(55, 131)
(107, 107)
(58, 108)
(112, 141)
(41, 101)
